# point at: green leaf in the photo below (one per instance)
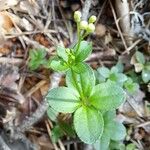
(147, 66)
(103, 143)
(103, 71)
(119, 66)
(131, 147)
(119, 78)
(79, 67)
(107, 96)
(117, 145)
(88, 123)
(146, 75)
(105, 139)
(131, 86)
(67, 128)
(140, 57)
(84, 51)
(61, 52)
(118, 131)
(52, 114)
(85, 80)
(63, 99)
(58, 64)
(37, 58)
(56, 133)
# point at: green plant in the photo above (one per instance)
(140, 65)
(113, 132)
(116, 75)
(82, 96)
(37, 58)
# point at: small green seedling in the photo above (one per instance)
(82, 96)
(116, 75)
(140, 65)
(37, 58)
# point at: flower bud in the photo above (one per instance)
(92, 19)
(77, 16)
(83, 25)
(91, 28)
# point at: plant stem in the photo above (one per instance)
(76, 84)
(79, 36)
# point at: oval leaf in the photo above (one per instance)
(103, 71)
(140, 57)
(88, 124)
(146, 75)
(79, 67)
(61, 52)
(85, 49)
(63, 99)
(107, 96)
(118, 131)
(58, 64)
(85, 80)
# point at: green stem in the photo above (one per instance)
(85, 35)
(79, 36)
(79, 42)
(76, 84)
(78, 30)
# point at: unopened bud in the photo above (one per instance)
(77, 16)
(83, 25)
(92, 19)
(91, 28)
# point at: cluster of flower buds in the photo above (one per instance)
(89, 26)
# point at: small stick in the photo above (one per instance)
(49, 132)
(3, 145)
(131, 47)
(115, 17)
(13, 61)
(35, 88)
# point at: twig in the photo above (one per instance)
(117, 25)
(13, 61)
(39, 113)
(86, 9)
(143, 124)
(50, 133)
(3, 145)
(35, 88)
(12, 35)
(131, 47)
(100, 13)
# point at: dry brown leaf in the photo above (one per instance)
(6, 23)
(134, 106)
(100, 30)
(108, 38)
(9, 88)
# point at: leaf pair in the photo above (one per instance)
(86, 100)
(72, 58)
